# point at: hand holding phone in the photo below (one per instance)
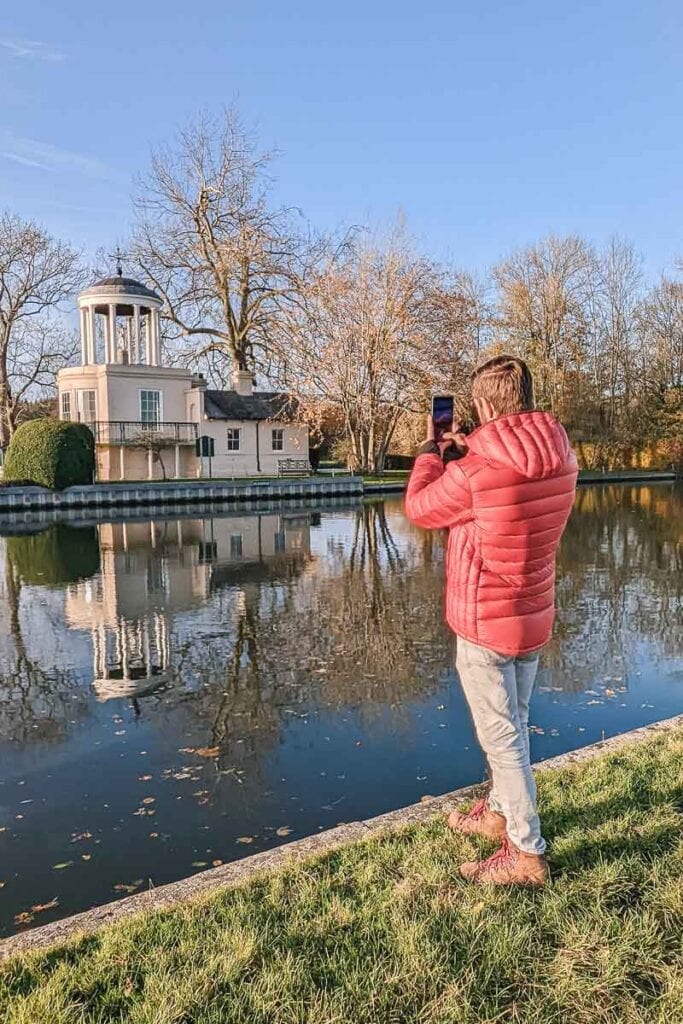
(442, 415)
(449, 436)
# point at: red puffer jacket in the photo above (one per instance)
(506, 503)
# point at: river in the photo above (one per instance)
(181, 691)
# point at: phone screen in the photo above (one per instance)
(442, 414)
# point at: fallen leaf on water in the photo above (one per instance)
(144, 778)
(216, 863)
(40, 907)
(245, 839)
(128, 886)
(64, 864)
(148, 800)
(186, 750)
(284, 830)
(199, 863)
(86, 856)
(23, 918)
(2, 884)
(77, 836)
(207, 751)
(154, 835)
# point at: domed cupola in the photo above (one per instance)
(120, 322)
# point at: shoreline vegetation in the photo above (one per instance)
(384, 930)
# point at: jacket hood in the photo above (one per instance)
(533, 443)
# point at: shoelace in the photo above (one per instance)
(500, 858)
(478, 811)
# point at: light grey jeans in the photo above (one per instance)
(498, 690)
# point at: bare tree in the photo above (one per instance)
(617, 288)
(226, 261)
(543, 292)
(660, 323)
(379, 328)
(154, 443)
(37, 273)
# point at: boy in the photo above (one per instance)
(505, 502)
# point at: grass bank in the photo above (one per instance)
(383, 931)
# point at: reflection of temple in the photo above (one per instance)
(151, 572)
(130, 659)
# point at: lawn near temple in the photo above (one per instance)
(384, 931)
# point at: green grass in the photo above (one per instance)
(385, 932)
(390, 476)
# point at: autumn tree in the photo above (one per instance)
(377, 329)
(543, 292)
(660, 326)
(616, 292)
(227, 260)
(37, 274)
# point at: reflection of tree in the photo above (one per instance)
(366, 632)
(619, 581)
(36, 703)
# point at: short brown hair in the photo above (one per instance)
(506, 382)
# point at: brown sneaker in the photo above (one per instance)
(508, 866)
(481, 821)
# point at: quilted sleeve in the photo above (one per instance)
(437, 496)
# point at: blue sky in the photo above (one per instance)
(488, 124)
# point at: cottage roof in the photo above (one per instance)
(261, 405)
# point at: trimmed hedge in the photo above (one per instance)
(53, 453)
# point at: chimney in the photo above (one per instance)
(243, 383)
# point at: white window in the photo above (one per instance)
(278, 439)
(87, 406)
(66, 405)
(150, 406)
(234, 439)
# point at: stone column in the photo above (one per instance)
(149, 344)
(177, 462)
(84, 337)
(92, 335)
(135, 355)
(112, 332)
(157, 338)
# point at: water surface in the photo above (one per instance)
(187, 690)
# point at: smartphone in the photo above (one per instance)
(442, 415)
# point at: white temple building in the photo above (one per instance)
(147, 417)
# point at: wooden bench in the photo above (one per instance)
(293, 467)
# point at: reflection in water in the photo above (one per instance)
(620, 582)
(179, 689)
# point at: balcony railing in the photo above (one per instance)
(137, 432)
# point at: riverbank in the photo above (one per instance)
(383, 929)
(16, 500)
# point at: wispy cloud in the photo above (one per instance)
(32, 49)
(46, 157)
